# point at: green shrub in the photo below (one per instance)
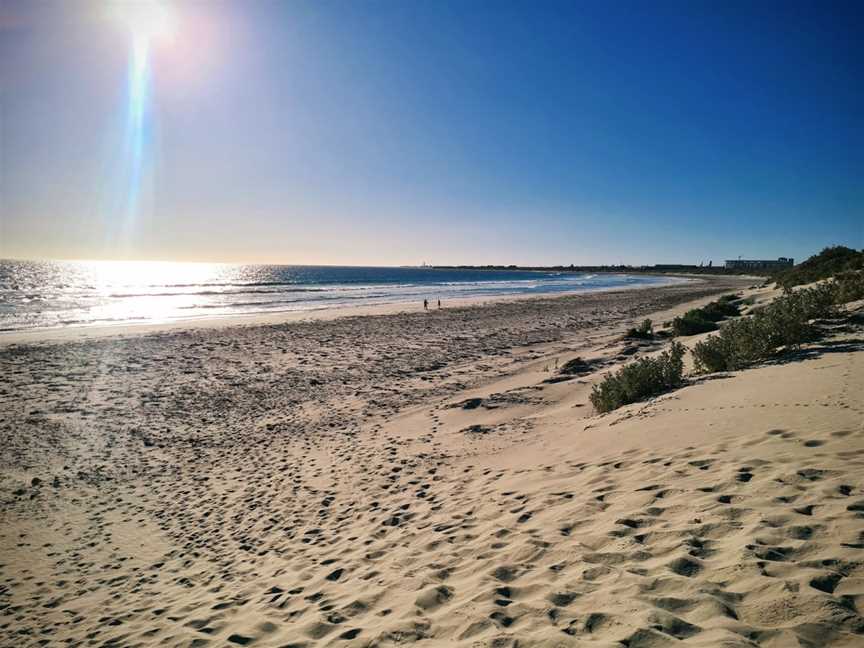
(740, 343)
(813, 303)
(718, 310)
(786, 322)
(641, 379)
(645, 331)
(848, 286)
(702, 320)
(713, 354)
(692, 322)
(828, 263)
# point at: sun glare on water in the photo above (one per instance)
(151, 291)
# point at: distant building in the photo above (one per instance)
(759, 264)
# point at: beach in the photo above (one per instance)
(384, 479)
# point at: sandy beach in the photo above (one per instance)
(381, 324)
(410, 477)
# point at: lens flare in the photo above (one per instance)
(137, 122)
(147, 21)
(146, 18)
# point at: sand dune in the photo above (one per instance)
(398, 480)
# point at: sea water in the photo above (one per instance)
(52, 294)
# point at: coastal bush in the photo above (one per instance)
(818, 301)
(641, 379)
(692, 322)
(848, 286)
(828, 263)
(702, 320)
(786, 322)
(714, 353)
(718, 310)
(739, 344)
(645, 331)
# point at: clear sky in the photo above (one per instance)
(353, 132)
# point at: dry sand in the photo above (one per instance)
(418, 478)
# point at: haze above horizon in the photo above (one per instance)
(386, 133)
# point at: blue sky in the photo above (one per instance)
(449, 132)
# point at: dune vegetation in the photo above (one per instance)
(790, 320)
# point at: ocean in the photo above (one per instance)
(58, 294)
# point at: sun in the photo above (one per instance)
(145, 19)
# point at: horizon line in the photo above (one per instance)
(401, 265)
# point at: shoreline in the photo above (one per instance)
(77, 333)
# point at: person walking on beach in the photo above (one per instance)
(426, 304)
(439, 303)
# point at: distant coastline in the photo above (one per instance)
(657, 269)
